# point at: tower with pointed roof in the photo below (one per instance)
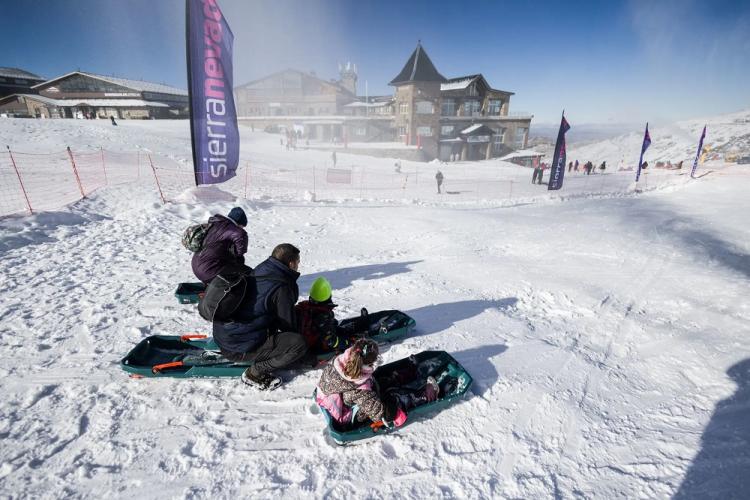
(348, 73)
(417, 102)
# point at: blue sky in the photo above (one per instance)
(604, 62)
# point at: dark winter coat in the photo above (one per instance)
(225, 244)
(271, 312)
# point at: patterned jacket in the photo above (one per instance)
(348, 399)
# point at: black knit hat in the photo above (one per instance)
(238, 216)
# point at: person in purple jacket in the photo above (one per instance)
(224, 244)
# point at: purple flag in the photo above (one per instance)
(644, 147)
(213, 118)
(698, 154)
(557, 171)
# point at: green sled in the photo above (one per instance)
(188, 356)
(452, 378)
(190, 293)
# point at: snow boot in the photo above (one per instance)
(431, 390)
(264, 381)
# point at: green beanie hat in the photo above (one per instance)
(320, 291)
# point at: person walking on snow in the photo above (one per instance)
(439, 180)
(225, 244)
(263, 329)
(112, 119)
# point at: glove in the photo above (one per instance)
(398, 420)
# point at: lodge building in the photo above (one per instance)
(88, 95)
(456, 118)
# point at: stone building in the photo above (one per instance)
(458, 118)
(327, 110)
(17, 81)
(87, 95)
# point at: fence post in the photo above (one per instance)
(157, 180)
(104, 168)
(75, 171)
(247, 174)
(13, 161)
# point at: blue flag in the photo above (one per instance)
(698, 154)
(557, 171)
(644, 147)
(213, 118)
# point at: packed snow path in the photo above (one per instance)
(608, 339)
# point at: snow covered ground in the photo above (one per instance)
(607, 334)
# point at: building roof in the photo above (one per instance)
(18, 73)
(137, 85)
(69, 103)
(477, 129)
(459, 83)
(333, 83)
(462, 82)
(524, 153)
(418, 68)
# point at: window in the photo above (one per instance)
(447, 130)
(424, 131)
(425, 108)
(401, 131)
(403, 108)
(473, 89)
(497, 140)
(448, 107)
(360, 131)
(520, 136)
(494, 107)
(471, 107)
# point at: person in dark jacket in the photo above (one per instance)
(264, 330)
(225, 244)
(439, 179)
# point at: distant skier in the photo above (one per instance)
(535, 174)
(603, 166)
(439, 179)
(570, 166)
(333, 158)
(575, 166)
(112, 118)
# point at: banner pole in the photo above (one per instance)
(104, 167)
(15, 167)
(190, 90)
(247, 173)
(157, 180)
(75, 171)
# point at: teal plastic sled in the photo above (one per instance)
(190, 356)
(190, 293)
(452, 378)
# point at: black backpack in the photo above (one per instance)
(226, 292)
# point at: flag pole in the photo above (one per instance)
(190, 88)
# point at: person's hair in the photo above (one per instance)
(286, 253)
(364, 352)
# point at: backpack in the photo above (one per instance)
(193, 237)
(226, 292)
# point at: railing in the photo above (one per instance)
(34, 182)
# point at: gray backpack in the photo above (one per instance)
(193, 237)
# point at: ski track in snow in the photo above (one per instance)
(599, 350)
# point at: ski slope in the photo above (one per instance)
(607, 335)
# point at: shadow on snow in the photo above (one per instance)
(721, 469)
